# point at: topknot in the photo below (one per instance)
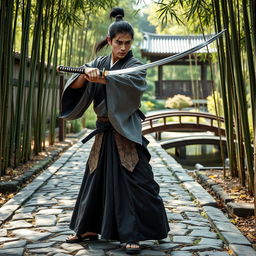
(117, 13)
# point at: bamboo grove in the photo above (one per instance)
(237, 60)
(45, 33)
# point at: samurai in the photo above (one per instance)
(119, 198)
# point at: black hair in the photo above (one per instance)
(118, 26)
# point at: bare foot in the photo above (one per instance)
(74, 237)
(130, 245)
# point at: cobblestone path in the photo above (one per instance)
(40, 225)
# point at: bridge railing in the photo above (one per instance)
(178, 121)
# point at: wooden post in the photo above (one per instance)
(203, 80)
(61, 121)
(160, 81)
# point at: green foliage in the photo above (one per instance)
(178, 102)
(76, 126)
(90, 118)
(149, 103)
(215, 100)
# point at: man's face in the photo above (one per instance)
(121, 44)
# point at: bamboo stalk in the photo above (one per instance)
(240, 88)
(30, 99)
(249, 57)
(6, 59)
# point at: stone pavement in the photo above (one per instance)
(35, 221)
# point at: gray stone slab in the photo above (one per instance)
(15, 244)
(203, 233)
(90, 253)
(22, 216)
(7, 210)
(174, 216)
(215, 214)
(46, 251)
(26, 209)
(117, 252)
(198, 192)
(30, 234)
(61, 254)
(147, 252)
(18, 224)
(187, 209)
(60, 238)
(241, 209)
(235, 238)
(178, 232)
(177, 253)
(166, 246)
(197, 248)
(12, 252)
(3, 232)
(7, 239)
(72, 247)
(212, 242)
(55, 229)
(64, 219)
(214, 253)
(242, 250)
(177, 225)
(40, 245)
(102, 245)
(196, 223)
(183, 239)
(50, 211)
(45, 220)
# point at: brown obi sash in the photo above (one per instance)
(126, 149)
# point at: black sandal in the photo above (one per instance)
(131, 250)
(80, 238)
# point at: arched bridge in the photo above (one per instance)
(183, 121)
(194, 139)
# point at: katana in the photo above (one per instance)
(169, 59)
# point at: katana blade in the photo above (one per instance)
(148, 65)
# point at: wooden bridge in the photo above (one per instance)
(183, 121)
(194, 139)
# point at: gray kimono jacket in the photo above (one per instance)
(123, 96)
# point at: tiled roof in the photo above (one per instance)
(155, 44)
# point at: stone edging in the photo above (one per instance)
(238, 209)
(16, 183)
(230, 234)
(8, 209)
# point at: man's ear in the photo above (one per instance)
(109, 40)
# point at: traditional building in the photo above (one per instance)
(155, 47)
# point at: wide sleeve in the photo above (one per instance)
(124, 91)
(74, 102)
(124, 94)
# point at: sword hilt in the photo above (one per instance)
(78, 70)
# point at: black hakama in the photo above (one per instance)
(119, 204)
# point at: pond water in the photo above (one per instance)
(208, 155)
(189, 155)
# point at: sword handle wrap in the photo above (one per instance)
(79, 70)
(71, 69)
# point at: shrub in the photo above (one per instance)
(178, 101)
(211, 105)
